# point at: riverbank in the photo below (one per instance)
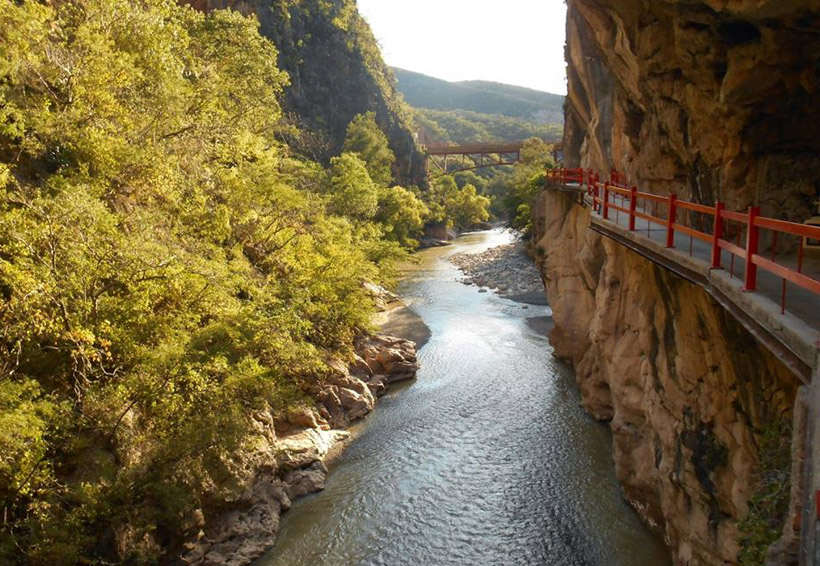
(294, 448)
(400, 321)
(507, 270)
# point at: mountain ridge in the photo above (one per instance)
(485, 97)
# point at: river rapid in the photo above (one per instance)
(487, 458)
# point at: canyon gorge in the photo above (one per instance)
(205, 208)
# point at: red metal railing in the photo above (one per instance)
(737, 233)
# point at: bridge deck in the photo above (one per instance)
(475, 149)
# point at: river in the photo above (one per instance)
(487, 458)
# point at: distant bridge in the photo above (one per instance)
(473, 156)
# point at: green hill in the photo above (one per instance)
(465, 126)
(422, 91)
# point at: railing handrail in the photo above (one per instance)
(617, 185)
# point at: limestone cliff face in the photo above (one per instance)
(711, 99)
(685, 388)
(336, 72)
(714, 100)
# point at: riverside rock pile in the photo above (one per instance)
(291, 454)
(505, 269)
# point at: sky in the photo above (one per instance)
(518, 42)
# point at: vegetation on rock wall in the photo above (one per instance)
(769, 505)
(337, 73)
(365, 138)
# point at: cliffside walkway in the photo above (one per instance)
(753, 267)
(733, 255)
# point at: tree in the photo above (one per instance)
(365, 138)
(352, 192)
(402, 214)
(460, 208)
(525, 182)
(168, 269)
(466, 208)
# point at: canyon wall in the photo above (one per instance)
(713, 100)
(686, 390)
(336, 72)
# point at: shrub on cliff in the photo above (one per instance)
(365, 139)
(769, 504)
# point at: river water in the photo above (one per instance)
(485, 459)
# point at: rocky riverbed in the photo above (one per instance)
(507, 270)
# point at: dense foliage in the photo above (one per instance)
(422, 91)
(458, 207)
(168, 269)
(516, 192)
(463, 127)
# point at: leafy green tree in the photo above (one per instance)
(352, 192)
(525, 182)
(169, 272)
(402, 214)
(365, 138)
(463, 178)
(466, 207)
(460, 208)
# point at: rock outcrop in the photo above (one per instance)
(336, 72)
(685, 388)
(714, 100)
(241, 521)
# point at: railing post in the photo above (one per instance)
(752, 243)
(606, 201)
(717, 234)
(670, 227)
(595, 194)
(633, 201)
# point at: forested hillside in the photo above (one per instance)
(422, 91)
(464, 126)
(176, 271)
(476, 111)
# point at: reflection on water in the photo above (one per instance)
(486, 459)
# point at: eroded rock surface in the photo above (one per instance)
(685, 388)
(713, 100)
(242, 521)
